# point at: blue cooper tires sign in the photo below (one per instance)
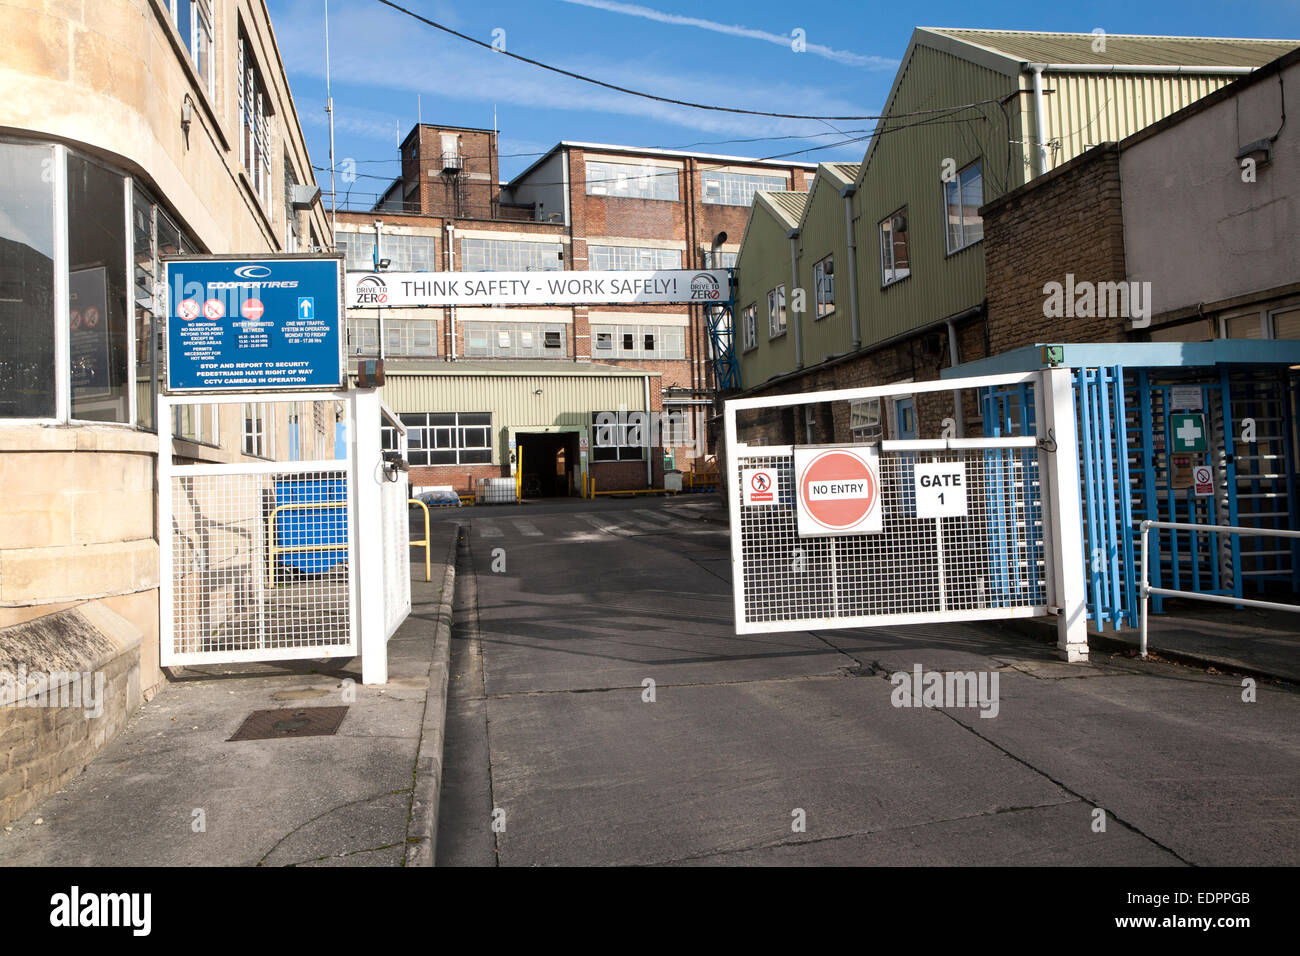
(271, 324)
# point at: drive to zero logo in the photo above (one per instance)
(252, 308)
(187, 309)
(838, 491)
(213, 309)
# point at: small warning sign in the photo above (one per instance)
(1202, 481)
(837, 490)
(759, 486)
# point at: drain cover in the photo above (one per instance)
(291, 722)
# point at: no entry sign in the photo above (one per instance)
(837, 490)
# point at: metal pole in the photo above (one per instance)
(1144, 593)
(329, 108)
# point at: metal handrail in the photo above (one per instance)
(298, 548)
(428, 568)
(1145, 590)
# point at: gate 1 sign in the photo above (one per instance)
(267, 324)
(940, 489)
(837, 490)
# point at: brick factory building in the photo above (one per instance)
(580, 206)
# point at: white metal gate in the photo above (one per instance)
(258, 559)
(1016, 552)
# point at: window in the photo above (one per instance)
(751, 327)
(619, 436)
(737, 189)
(641, 258)
(197, 423)
(776, 312)
(254, 124)
(864, 420)
(193, 19)
(449, 438)
(894, 261)
(513, 340)
(97, 292)
(510, 255)
(27, 263)
(962, 200)
(407, 253)
(113, 278)
(723, 260)
(824, 282)
(256, 439)
(640, 341)
(632, 181)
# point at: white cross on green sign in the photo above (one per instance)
(1188, 431)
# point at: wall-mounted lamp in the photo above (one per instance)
(1261, 151)
(537, 392)
(385, 263)
(187, 116)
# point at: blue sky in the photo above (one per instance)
(728, 53)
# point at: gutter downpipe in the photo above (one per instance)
(954, 360)
(792, 235)
(1040, 118)
(847, 193)
(451, 267)
(649, 441)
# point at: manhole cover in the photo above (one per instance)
(290, 722)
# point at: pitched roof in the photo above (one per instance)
(786, 205)
(1121, 49)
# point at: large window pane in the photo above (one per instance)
(27, 281)
(97, 292)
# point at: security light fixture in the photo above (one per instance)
(1261, 151)
(385, 263)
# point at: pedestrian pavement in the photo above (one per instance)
(173, 790)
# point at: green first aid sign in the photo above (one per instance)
(1188, 432)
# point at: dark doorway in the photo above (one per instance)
(550, 464)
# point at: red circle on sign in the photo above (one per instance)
(92, 317)
(188, 309)
(760, 481)
(214, 309)
(837, 514)
(75, 320)
(252, 308)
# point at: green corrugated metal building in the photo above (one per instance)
(972, 114)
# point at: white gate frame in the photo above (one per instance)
(1058, 459)
(364, 468)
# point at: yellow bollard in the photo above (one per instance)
(428, 566)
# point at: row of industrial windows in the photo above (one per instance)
(448, 438)
(640, 181)
(413, 253)
(644, 258)
(638, 341)
(514, 340)
(405, 253)
(465, 438)
(254, 123)
(415, 337)
(508, 255)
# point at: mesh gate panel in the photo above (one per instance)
(260, 562)
(991, 559)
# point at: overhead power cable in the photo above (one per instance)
(624, 89)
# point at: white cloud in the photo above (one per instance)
(382, 49)
(674, 19)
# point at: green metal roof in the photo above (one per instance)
(1122, 49)
(785, 204)
(847, 172)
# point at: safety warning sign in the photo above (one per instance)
(758, 486)
(1202, 481)
(837, 490)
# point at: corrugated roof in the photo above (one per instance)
(1123, 49)
(846, 171)
(785, 204)
(510, 367)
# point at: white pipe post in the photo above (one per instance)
(1040, 118)
(367, 532)
(1065, 512)
(1144, 593)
